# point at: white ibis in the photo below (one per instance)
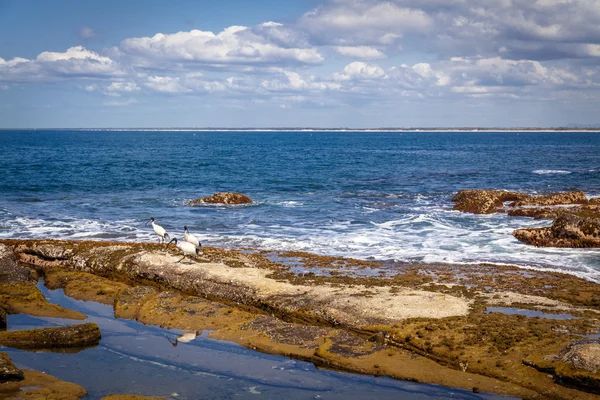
(188, 249)
(188, 237)
(159, 230)
(185, 337)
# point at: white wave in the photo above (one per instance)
(550, 171)
(439, 236)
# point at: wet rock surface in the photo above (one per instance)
(568, 230)
(381, 325)
(222, 198)
(576, 219)
(19, 294)
(64, 337)
(8, 371)
(40, 386)
(485, 201)
(576, 365)
(552, 199)
(130, 397)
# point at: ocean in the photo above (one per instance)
(369, 195)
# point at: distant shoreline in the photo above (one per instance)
(291, 129)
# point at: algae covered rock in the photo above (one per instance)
(63, 337)
(484, 201)
(8, 371)
(552, 199)
(571, 226)
(576, 365)
(222, 198)
(41, 386)
(10, 270)
(567, 230)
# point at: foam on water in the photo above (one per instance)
(550, 171)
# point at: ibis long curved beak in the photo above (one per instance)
(148, 221)
(172, 240)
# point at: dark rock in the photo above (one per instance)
(222, 198)
(10, 270)
(2, 318)
(485, 201)
(75, 336)
(8, 371)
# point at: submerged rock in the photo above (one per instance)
(222, 198)
(63, 337)
(8, 371)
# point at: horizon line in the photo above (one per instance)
(321, 129)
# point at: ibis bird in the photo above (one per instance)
(188, 249)
(188, 237)
(159, 230)
(185, 337)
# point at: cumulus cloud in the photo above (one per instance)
(269, 43)
(520, 29)
(76, 62)
(359, 70)
(293, 81)
(188, 83)
(362, 52)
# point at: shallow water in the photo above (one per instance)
(138, 359)
(528, 313)
(380, 195)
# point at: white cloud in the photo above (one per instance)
(123, 87)
(362, 52)
(360, 70)
(76, 62)
(364, 22)
(293, 81)
(166, 84)
(188, 83)
(237, 45)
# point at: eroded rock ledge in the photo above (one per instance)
(427, 323)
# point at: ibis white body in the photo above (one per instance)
(188, 249)
(159, 230)
(188, 237)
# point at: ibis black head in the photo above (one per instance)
(150, 220)
(185, 228)
(198, 251)
(172, 240)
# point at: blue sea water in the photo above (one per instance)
(376, 195)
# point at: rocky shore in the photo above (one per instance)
(431, 323)
(576, 219)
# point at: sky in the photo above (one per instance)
(299, 63)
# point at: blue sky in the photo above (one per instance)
(316, 63)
